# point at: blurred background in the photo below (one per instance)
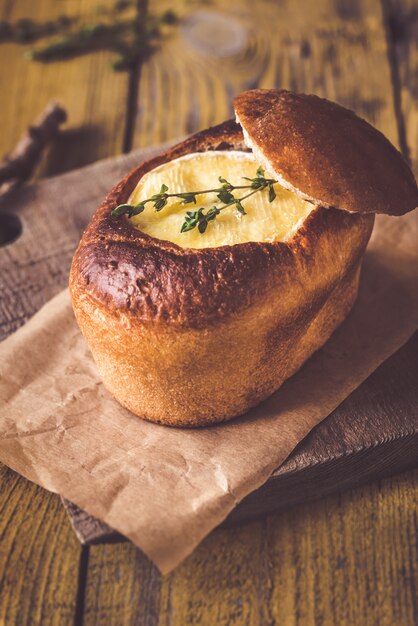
(134, 73)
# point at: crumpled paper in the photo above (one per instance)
(166, 488)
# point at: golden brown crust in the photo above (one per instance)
(327, 153)
(196, 336)
(157, 281)
(189, 376)
(194, 288)
(196, 378)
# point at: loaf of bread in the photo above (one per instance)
(189, 329)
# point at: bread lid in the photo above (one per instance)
(325, 153)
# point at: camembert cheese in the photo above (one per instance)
(264, 221)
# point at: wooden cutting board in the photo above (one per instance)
(372, 434)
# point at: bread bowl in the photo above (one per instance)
(198, 330)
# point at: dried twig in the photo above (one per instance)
(19, 165)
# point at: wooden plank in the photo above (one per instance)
(344, 560)
(39, 556)
(120, 576)
(330, 47)
(94, 95)
(402, 19)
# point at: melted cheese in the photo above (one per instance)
(265, 221)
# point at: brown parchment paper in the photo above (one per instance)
(166, 488)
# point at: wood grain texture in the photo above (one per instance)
(348, 559)
(122, 588)
(329, 47)
(39, 556)
(402, 21)
(94, 95)
(344, 560)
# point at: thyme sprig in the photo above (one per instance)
(200, 219)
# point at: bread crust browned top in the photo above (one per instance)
(156, 281)
(325, 152)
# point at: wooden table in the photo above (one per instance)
(348, 559)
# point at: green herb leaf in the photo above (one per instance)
(212, 213)
(199, 219)
(137, 209)
(239, 206)
(200, 215)
(160, 203)
(225, 196)
(187, 226)
(121, 209)
(190, 221)
(188, 198)
(225, 183)
(132, 38)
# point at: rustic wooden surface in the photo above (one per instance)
(347, 559)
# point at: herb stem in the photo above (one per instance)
(199, 219)
(218, 190)
(251, 193)
(203, 191)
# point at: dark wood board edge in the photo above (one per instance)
(287, 490)
(322, 479)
